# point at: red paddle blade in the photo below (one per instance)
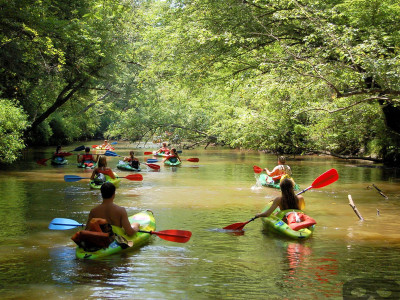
(193, 159)
(173, 235)
(42, 161)
(148, 153)
(236, 226)
(326, 178)
(94, 146)
(154, 166)
(135, 177)
(257, 169)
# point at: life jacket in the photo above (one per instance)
(99, 235)
(135, 164)
(87, 157)
(299, 220)
(108, 172)
(172, 158)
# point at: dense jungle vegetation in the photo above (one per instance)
(282, 76)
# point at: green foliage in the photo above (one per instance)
(13, 123)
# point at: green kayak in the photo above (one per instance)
(147, 223)
(123, 165)
(97, 184)
(59, 160)
(173, 161)
(275, 223)
(267, 181)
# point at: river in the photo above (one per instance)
(345, 256)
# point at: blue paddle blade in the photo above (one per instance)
(114, 143)
(110, 153)
(179, 151)
(64, 224)
(80, 148)
(151, 160)
(72, 178)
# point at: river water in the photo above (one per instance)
(360, 258)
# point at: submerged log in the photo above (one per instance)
(380, 192)
(353, 206)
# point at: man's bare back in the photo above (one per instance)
(114, 214)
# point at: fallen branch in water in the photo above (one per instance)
(380, 192)
(353, 206)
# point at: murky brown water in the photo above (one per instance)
(36, 263)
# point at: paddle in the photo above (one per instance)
(194, 159)
(73, 178)
(43, 160)
(152, 160)
(152, 166)
(323, 180)
(172, 235)
(150, 153)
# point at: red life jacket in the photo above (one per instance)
(298, 220)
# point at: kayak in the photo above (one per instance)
(267, 181)
(155, 153)
(97, 185)
(87, 165)
(275, 223)
(123, 165)
(173, 161)
(147, 223)
(104, 148)
(59, 160)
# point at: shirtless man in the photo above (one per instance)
(114, 214)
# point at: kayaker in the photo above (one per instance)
(280, 169)
(163, 149)
(87, 157)
(102, 168)
(58, 153)
(288, 199)
(172, 154)
(133, 161)
(114, 214)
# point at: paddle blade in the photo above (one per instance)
(94, 146)
(110, 153)
(80, 148)
(257, 169)
(152, 160)
(236, 226)
(114, 143)
(193, 159)
(135, 177)
(173, 235)
(42, 161)
(64, 224)
(148, 153)
(73, 178)
(153, 166)
(65, 154)
(325, 179)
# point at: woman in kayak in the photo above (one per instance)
(288, 199)
(163, 149)
(133, 161)
(102, 168)
(172, 154)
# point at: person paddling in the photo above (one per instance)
(87, 158)
(114, 214)
(133, 161)
(102, 168)
(287, 200)
(172, 154)
(164, 149)
(280, 170)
